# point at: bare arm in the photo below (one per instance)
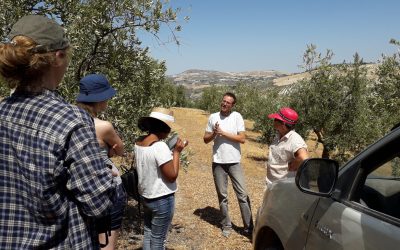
(239, 137)
(107, 133)
(208, 136)
(300, 156)
(170, 170)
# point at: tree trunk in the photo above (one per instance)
(325, 151)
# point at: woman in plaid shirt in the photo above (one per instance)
(53, 180)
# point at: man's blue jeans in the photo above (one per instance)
(158, 215)
(234, 171)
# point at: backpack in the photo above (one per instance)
(130, 181)
(130, 178)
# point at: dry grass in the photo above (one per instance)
(196, 220)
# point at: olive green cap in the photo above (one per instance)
(48, 34)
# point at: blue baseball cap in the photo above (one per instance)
(94, 88)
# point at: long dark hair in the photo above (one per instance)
(153, 126)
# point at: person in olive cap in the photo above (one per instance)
(94, 93)
(288, 149)
(53, 179)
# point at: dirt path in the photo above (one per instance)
(196, 220)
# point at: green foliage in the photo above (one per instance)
(387, 90)
(335, 103)
(396, 167)
(211, 98)
(248, 100)
(386, 99)
(4, 89)
(268, 101)
(103, 35)
(172, 95)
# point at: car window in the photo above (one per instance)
(381, 190)
(389, 169)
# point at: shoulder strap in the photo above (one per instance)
(153, 142)
(139, 203)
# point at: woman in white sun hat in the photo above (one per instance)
(158, 169)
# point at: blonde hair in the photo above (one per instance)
(90, 107)
(19, 66)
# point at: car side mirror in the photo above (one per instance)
(317, 176)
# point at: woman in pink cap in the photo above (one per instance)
(288, 149)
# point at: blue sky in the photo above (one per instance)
(246, 35)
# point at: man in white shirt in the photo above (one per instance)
(226, 129)
(288, 150)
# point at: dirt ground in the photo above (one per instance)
(196, 221)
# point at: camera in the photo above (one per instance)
(171, 142)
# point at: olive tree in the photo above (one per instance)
(334, 102)
(387, 95)
(104, 38)
(211, 97)
(387, 89)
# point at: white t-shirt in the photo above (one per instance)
(224, 150)
(148, 162)
(281, 152)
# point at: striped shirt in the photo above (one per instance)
(53, 181)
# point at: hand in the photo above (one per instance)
(216, 127)
(114, 172)
(180, 145)
(218, 130)
(111, 151)
(291, 166)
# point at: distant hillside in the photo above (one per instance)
(200, 77)
(289, 79)
(292, 78)
(195, 80)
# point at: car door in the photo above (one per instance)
(364, 211)
(336, 225)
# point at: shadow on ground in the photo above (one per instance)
(258, 158)
(210, 215)
(131, 235)
(213, 216)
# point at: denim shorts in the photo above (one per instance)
(117, 210)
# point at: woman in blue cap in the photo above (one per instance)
(94, 93)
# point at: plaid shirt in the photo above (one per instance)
(52, 178)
